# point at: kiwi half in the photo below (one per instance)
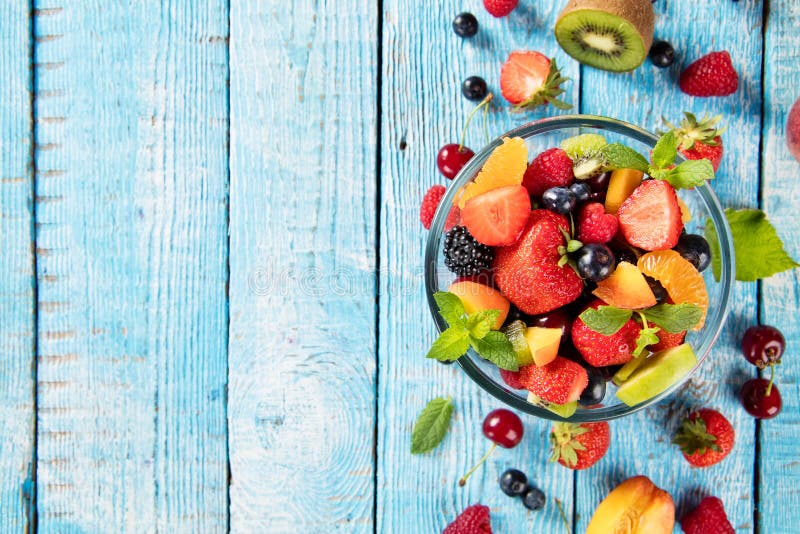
(612, 35)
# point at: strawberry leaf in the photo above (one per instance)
(647, 336)
(431, 425)
(759, 252)
(450, 307)
(606, 320)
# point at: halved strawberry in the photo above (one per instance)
(600, 350)
(651, 217)
(497, 217)
(560, 381)
(529, 79)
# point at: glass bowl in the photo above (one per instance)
(702, 202)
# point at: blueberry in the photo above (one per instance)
(582, 191)
(559, 199)
(465, 25)
(658, 290)
(662, 54)
(595, 262)
(694, 248)
(474, 88)
(513, 482)
(533, 499)
(595, 391)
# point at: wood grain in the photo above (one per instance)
(17, 328)
(424, 62)
(131, 210)
(641, 443)
(779, 483)
(302, 255)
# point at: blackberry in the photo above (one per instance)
(464, 255)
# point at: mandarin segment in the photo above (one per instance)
(679, 277)
(505, 166)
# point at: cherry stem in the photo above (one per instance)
(771, 379)
(563, 516)
(484, 102)
(463, 480)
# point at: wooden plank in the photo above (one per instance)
(779, 483)
(641, 443)
(17, 329)
(302, 292)
(424, 62)
(131, 211)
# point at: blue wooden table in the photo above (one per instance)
(212, 307)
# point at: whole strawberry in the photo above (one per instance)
(578, 446)
(500, 8)
(705, 438)
(561, 381)
(667, 340)
(551, 168)
(474, 519)
(429, 204)
(529, 79)
(699, 139)
(711, 75)
(528, 272)
(600, 350)
(595, 225)
(708, 518)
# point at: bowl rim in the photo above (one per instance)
(716, 314)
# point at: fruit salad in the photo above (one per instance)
(572, 271)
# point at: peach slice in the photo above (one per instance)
(626, 288)
(620, 186)
(543, 343)
(476, 297)
(636, 506)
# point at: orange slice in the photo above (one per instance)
(505, 166)
(679, 277)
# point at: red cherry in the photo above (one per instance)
(451, 160)
(763, 345)
(761, 400)
(503, 427)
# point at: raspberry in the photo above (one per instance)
(474, 519)
(711, 75)
(500, 8)
(595, 225)
(551, 168)
(708, 518)
(511, 378)
(429, 204)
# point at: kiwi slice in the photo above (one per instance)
(585, 150)
(515, 332)
(613, 35)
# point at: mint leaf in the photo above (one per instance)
(665, 151)
(431, 425)
(480, 322)
(450, 345)
(450, 307)
(690, 173)
(674, 318)
(606, 320)
(619, 156)
(496, 348)
(647, 336)
(758, 249)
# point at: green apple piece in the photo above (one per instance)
(543, 343)
(657, 373)
(515, 332)
(563, 410)
(627, 370)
